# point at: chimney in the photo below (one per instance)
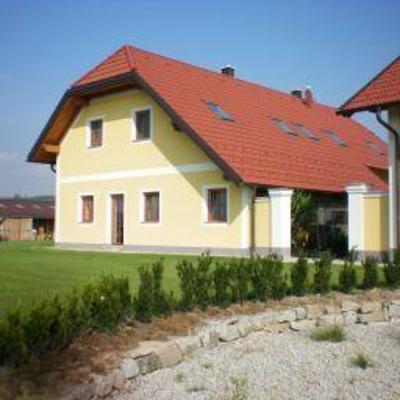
(228, 70)
(308, 96)
(296, 93)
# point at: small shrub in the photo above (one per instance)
(161, 303)
(333, 333)
(239, 279)
(143, 303)
(202, 281)
(362, 361)
(277, 280)
(370, 266)
(323, 272)
(179, 377)
(347, 276)
(391, 270)
(258, 272)
(220, 279)
(186, 275)
(298, 275)
(240, 388)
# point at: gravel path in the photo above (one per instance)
(283, 366)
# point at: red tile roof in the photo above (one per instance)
(252, 146)
(382, 90)
(26, 208)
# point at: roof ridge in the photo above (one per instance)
(248, 82)
(129, 57)
(372, 80)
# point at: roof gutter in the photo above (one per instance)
(396, 171)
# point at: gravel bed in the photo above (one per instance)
(283, 366)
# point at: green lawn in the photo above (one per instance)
(31, 270)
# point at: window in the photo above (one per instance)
(142, 124)
(95, 133)
(283, 126)
(151, 207)
(303, 130)
(374, 147)
(87, 209)
(339, 141)
(219, 112)
(217, 206)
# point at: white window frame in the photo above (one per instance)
(134, 139)
(142, 194)
(80, 209)
(204, 216)
(88, 132)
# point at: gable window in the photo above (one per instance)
(96, 128)
(151, 210)
(338, 140)
(142, 124)
(87, 209)
(218, 111)
(306, 132)
(217, 205)
(283, 126)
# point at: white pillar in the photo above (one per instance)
(281, 224)
(355, 194)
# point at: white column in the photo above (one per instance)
(245, 218)
(355, 195)
(281, 224)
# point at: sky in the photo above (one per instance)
(333, 46)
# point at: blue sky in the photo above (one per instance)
(334, 46)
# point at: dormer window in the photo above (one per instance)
(219, 111)
(95, 133)
(142, 124)
(284, 127)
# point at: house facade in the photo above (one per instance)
(155, 155)
(380, 94)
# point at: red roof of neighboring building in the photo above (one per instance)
(382, 90)
(26, 208)
(251, 146)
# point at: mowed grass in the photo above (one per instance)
(30, 271)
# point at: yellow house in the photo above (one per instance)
(155, 155)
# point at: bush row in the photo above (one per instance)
(102, 305)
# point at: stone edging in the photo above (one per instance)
(150, 356)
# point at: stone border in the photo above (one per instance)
(150, 356)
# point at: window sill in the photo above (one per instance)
(138, 141)
(215, 223)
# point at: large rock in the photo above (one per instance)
(300, 312)
(370, 307)
(287, 316)
(257, 322)
(303, 325)
(245, 326)
(188, 344)
(227, 333)
(313, 311)
(145, 348)
(394, 310)
(276, 327)
(349, 305)
(376, 316)
(209, 337)
(130, 368)
(148, 363)
(330, 319)
(104, 385)
(168, 355)
(331, 309)
(349, 317)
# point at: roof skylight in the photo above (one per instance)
(375, 148)
(303, 130)
(339, 141)
(283, 126)
(218, 111)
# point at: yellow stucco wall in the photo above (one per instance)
(376, 228)
(87, 171)
(262, 223)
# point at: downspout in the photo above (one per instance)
(253, 223)
(53, 167)
(396, 170)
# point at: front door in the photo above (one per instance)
(117, 219)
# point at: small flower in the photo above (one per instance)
(102, 298)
